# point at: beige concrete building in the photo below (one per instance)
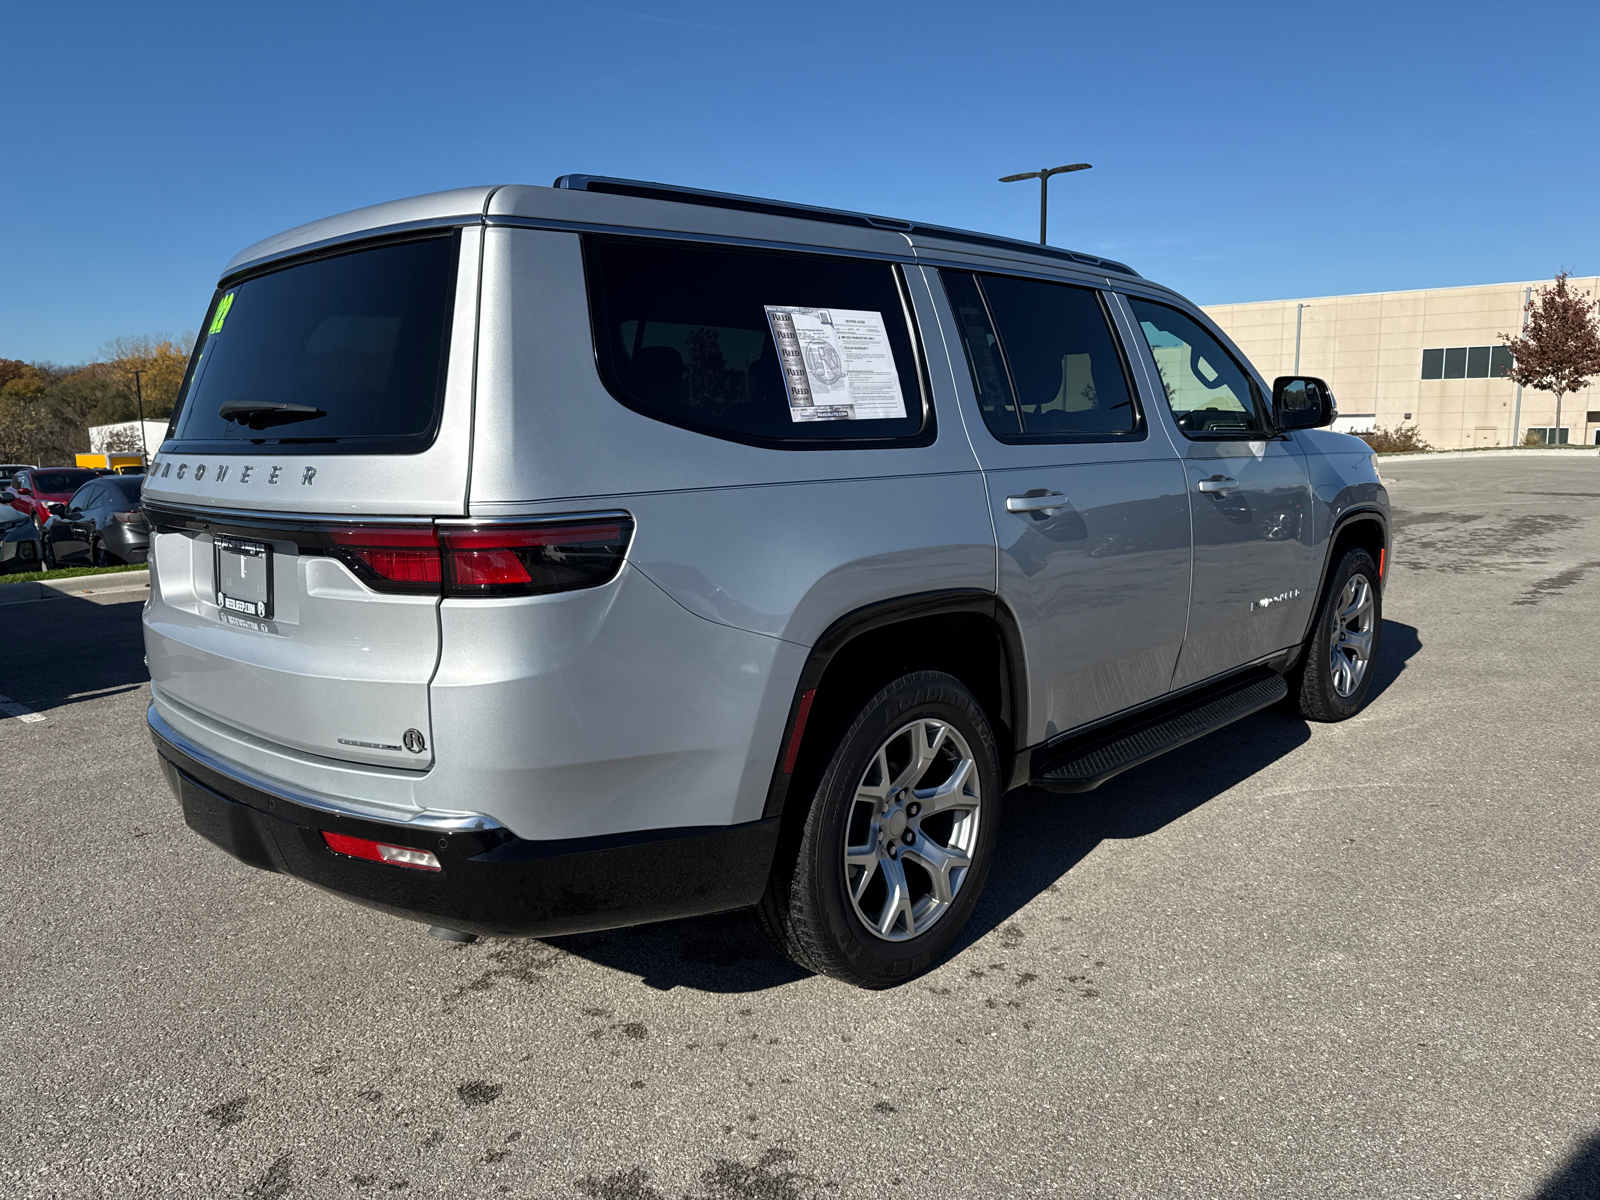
(1429, 358)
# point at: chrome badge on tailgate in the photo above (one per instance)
(244, 576)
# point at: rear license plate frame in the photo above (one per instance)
(246, 597)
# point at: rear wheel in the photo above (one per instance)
(898, 838)
(1335, 673)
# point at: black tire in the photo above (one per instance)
(808, 911)
(47, 555)
(1318, 690)
(101, 557)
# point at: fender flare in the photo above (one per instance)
(1363, 513)
(895, 611)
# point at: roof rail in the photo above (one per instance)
(836, 216)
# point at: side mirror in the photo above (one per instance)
(1302, 402)
(57, 510)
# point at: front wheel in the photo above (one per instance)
(898, 839)
(1335, 674)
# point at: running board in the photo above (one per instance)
(1097, 756)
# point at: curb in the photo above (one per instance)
(77, 585)
(1506, 452)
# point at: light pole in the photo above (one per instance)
(144, 446)
(1516, 416)
(1299, 311)
(1044, 187)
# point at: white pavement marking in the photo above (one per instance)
(12, 709)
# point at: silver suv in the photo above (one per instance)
(536, 560)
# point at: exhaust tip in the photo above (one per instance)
(451, 935)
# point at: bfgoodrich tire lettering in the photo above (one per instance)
(1335, 673)
(898, 838)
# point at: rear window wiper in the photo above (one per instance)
(258, 414)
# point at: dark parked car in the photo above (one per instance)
(19, 542)
(101, 525)
(32, 488)
(8, 472)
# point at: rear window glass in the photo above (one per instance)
(347, 351)
(690, 335)
(130, 487)
(60, 481)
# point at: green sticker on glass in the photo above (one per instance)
(222, 314)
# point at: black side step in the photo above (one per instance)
(1089, 762)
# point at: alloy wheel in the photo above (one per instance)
(1351, 646)
(912, 829)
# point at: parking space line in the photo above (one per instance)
(12, 709)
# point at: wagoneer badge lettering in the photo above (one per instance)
(272, 476)
(1269, 601)
(367, 745)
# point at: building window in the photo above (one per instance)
(1466, 362)
(1593, 418)
(1547, 435)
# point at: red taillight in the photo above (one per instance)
(523, 560)
(500, 560)
(1382, 551)
(399, 856)
(404, 555)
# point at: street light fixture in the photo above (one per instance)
(1044, 187)
(144, 446)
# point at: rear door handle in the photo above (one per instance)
(1037, 500)
(1219, 484)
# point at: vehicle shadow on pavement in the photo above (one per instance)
(1579, 1176)
(61, 651)
(1042, 837)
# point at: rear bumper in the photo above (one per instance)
(492, 882)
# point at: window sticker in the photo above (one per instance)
(222, 314)
(837, 364)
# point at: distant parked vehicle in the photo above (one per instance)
(8, 472)
(19, 543)
(31, 489)
(101, 525)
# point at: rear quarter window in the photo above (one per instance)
(688, 334)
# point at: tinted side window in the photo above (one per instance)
(1209, 393)
(86, 497)
(1064, 369)
(982, 351)
(687, 334)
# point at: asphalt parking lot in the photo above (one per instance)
(1287, 960)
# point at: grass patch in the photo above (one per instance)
(69, 573)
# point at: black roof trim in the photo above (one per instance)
(836, 216)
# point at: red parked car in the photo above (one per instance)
(32, 489)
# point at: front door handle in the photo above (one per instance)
(1038, 500)
(1219, 485)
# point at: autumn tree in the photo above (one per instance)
(1559, 349)
(162, 362)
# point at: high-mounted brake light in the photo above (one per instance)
(399, 856)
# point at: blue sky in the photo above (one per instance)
(1240, 152)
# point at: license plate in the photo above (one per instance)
(244, 577)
